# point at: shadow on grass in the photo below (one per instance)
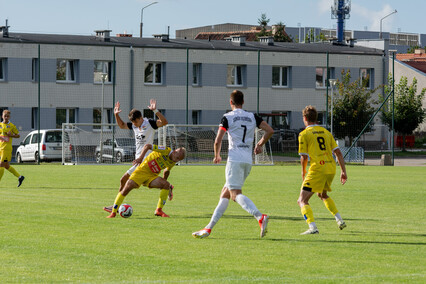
(347, 242)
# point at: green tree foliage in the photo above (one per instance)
(352, 107)
(263, 22)
(280, 35)
(409, 113)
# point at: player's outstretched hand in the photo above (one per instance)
(117, 109)
(171, 193)
(257, 149)
(152, 104)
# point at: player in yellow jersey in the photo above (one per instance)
(318, 144)
(147, 173)
(8, 131)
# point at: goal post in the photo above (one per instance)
(96, 143)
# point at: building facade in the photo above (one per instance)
(191, 79)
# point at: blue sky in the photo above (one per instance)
(83, 17)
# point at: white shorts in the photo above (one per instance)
(236, 173)
(132, 169)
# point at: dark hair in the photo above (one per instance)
(134, 114)
(310, 113)
(237, 98)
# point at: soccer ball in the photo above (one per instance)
(125, 210)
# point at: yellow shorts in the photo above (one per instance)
(5, 155)
(317, 182)
(143, 176)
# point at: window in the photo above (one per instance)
(321, 77)
(366, 77)
(235, 75)
(97, 117)
(2, 69)
(34, 117)
(102, 67)
(196, 74)
(65, 115)
(27, 140)
(196, 116)
(280, 76)
(36, 138)
(66, 70)
(34, 70)
(153, 73)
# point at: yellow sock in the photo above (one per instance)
(164, 193)
(13, 171)
(1, 172)
(117, 202)
(329, 203)
(307, 214)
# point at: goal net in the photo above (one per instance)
(95, 143)
(199, 140)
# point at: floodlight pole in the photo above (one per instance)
(332, 83)
(141, 27)
(380, 36)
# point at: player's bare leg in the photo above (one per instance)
(130, 184)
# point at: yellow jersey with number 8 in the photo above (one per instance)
(318, 143)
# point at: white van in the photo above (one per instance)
(50, 146)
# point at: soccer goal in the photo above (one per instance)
(95, 143)
(199, 140)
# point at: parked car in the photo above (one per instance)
(50, 146)
(124, 150)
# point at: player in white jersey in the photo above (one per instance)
(144, 130)
(240, 126)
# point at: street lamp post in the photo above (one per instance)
(142, 16)
(382, 20)
(332, 83)
(103, 78)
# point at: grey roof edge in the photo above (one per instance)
(187, 44)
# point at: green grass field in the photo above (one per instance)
(53, 228)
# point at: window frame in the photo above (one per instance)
(280, 83)
(196, 74)
(107, 67)
(108, 114)
(34, 70)
(154, 75)
(196, 117)
(233, 69)
(3, 69)
(369, 73)
(67, 116)
(70, 70)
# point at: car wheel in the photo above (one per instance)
(18, 158)
(98, 158)
(118, 157)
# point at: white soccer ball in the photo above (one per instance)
(125, 210)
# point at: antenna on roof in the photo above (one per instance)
(340, 11)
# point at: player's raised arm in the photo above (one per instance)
(120, 122)
(162, 120)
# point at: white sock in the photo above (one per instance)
(249, 206)
(312, 225)
(338, 217)
(218, 212)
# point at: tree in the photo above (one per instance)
(280, 35)
(263, 23)
(352, 107)
(409, 113)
